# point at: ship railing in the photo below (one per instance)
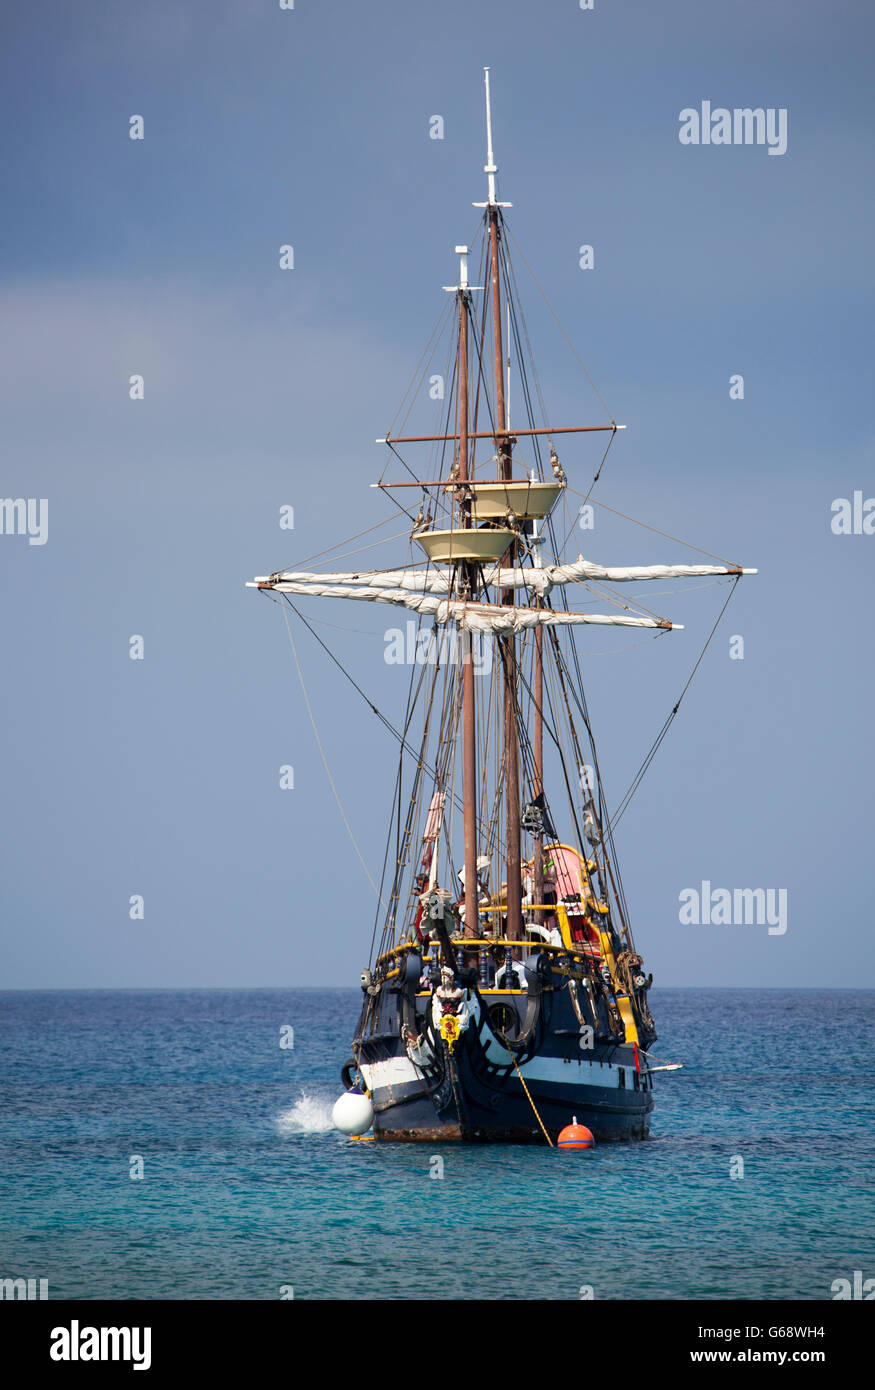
(466, 943)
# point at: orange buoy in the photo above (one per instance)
(575, 1136)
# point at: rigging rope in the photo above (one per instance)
(368, 529)
(420, 369)
(324, 759)
(647, 527)
(586, 498)
(639, 777)
(556, 317)
(401, 739)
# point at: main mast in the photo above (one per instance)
(504, 452)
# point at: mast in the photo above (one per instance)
(538, 751)
(469, 757)
(504, 450)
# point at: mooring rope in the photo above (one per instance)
(532, 1103)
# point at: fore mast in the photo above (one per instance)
(468, 581)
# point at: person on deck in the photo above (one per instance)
(483, 866)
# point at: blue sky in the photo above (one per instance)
(265, 388)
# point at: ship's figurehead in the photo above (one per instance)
(450, 1010)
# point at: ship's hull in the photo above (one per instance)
(474, 1092)
(512, 1118)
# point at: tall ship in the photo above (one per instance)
(505, 999)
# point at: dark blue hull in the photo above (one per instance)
(474, 1092)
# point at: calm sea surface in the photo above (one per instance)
(247, 1188)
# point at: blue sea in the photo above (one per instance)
(248, 1193)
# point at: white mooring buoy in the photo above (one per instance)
(353, 1112)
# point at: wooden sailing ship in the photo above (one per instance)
(505, 996)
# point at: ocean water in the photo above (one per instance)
(247, 1190)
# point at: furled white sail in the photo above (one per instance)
(540, 581)
(581, 570)
(475, 617)
(421, 581)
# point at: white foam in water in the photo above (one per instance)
(309, 1115)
